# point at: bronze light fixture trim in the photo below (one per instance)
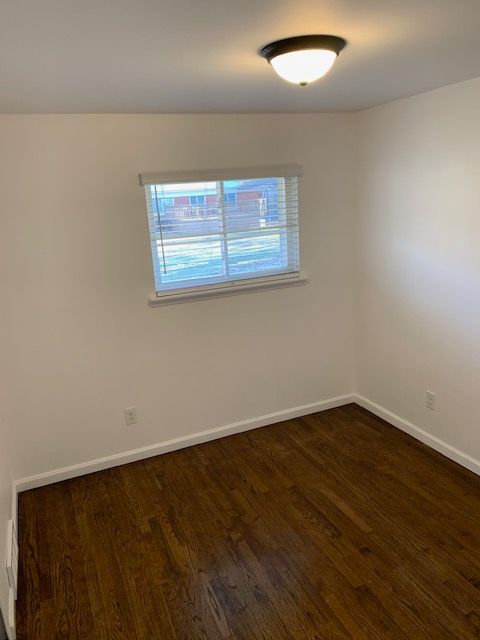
(303, 59)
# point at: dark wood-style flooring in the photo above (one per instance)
(335, 525)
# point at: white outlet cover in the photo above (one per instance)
(430, 399)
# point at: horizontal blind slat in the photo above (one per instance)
(233, 232)
(207, 175)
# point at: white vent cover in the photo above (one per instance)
(12, 557)
(11, 611)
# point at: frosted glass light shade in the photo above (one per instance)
(303, 59)
(302, 67)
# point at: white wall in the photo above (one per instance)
(418, 277)
(83, 344)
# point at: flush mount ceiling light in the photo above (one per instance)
(303, 59)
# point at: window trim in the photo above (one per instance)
(237, 285)
(234, 287)
(215, 175)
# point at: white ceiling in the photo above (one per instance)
(174, 56)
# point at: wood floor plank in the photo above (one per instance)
(334, 526)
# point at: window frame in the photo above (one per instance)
(208, 287)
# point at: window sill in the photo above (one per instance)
(227, 290)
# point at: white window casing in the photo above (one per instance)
(219, 232)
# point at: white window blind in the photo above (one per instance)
(215, 228)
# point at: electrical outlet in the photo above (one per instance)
(130, 415)
(430, 400)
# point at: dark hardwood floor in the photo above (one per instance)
(335, 525)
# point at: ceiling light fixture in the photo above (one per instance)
(303, 59)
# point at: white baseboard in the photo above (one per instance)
(90, 466)
(442, 447)
(149, 451)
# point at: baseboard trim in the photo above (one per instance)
(442, 447)
(117, 459)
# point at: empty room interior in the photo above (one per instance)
(240, 320)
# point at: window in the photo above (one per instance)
(217, 229)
